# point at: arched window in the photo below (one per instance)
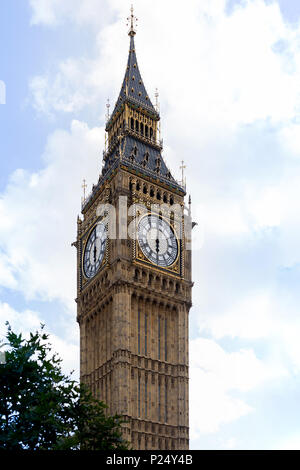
(137, 126)
(142, 128)
(132, 123)
(146, 131)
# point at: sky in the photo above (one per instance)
(228, 74)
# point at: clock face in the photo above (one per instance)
(157, 240)
(94, 250)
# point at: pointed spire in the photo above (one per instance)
(133, 89)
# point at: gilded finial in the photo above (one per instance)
(84, 186)
(132, 21)
(107, 112)
(156, 100)
(183, 167)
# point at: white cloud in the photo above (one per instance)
(290, 443)
(219, 382)
(226, 64)
(290, 137)
(56, 12)
(28, 321)
(24, 322)
(40, 211)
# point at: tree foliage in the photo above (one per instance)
(43, 409)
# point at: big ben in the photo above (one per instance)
(134, 276)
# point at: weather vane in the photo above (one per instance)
(132, 22)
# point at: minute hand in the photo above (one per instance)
(157, 246)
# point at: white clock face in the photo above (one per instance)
(157, 240)
(94, 250)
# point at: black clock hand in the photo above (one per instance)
(157, 245)
(95, 253)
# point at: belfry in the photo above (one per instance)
(134, 292)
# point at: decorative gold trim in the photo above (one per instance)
(144, 258)
(161, 270)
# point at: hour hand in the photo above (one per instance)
(95, 254)
(157, 245)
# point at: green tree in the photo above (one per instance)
(43, 409)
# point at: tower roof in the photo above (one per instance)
(131, 146)
(133, 89)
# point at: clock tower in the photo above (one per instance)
(134, 277)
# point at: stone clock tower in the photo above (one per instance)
(134, 281)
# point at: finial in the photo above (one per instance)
(132, 21)
(84, 186)
(183, 166)
(156, 100)
(107, 112)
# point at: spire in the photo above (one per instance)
(133, 127)
(133, 89)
